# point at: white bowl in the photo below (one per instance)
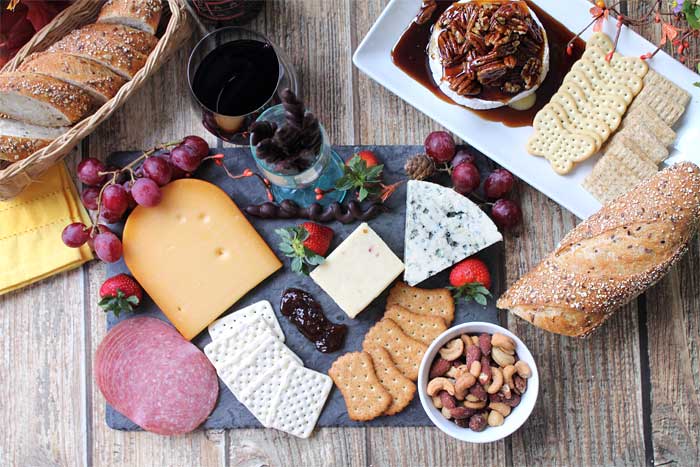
(518, 415)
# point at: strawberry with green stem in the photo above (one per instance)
(120, 293)
(470, 279)
(362, 176)
(305, 244)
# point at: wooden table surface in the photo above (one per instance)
(629, 395)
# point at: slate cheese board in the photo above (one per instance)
(229, 413)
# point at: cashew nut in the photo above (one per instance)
(446, 413)
(501, 408)
(501, 357)
(475, 340)
(475, 405)
(495, 418)
(475, 369)
(453, 372)
(503, 341)
(472, 398)
(463, 384)
(437, 402)
(453, 350)
(440, 384)
(523, 369)
(505, 390)
(496, 382)
(508, 373)
(467, 340)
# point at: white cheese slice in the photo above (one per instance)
(474, 102)
(358, 270)
(442, 228)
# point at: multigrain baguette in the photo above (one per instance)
(140, 14)
(42, 100)
(95, 79)
(611, 257)
(103, 43)
(19, 140)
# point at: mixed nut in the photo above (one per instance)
(496, 45)
(476, 380)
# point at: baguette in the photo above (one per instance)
(611, 257)
(19, 140)
(116, 47)
(95, 79)
(139, 14)
(42, 100)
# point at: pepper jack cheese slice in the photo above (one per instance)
(195, 253)
(358, 270)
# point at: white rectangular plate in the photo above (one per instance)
(506, 145)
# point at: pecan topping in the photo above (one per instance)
(426, 11)
(496, 45)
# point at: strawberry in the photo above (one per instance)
(305, 244)
(319, 239)
(470, 279)
(120, 293)
(369, 157)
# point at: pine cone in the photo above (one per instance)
(419, 167)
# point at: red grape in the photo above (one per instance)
(75, 235)
(115, 199)
(440, 146)
(201, 148)
(463, 156)
(146, 192)
(89, 197)
(506, 213)
(178, 173)
(108, 247)
(101, 228)
(498, 183)
(158, 170)
(185, 158)
(127, 187)
(89, 171)
(465, 178)
(110, 217)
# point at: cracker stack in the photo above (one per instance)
(380, 379)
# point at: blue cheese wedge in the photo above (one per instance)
(358, 270)
(442, 228)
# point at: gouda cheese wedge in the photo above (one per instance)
(195, 253)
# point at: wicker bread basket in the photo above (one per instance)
(15, 177)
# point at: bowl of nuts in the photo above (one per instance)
(478, 382)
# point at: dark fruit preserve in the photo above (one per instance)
(410, 55)
(306, 314)
(237, 77)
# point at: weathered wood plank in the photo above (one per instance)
(589, 410)
(159, 112)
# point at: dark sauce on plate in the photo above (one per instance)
(410, 55)
(306, 314)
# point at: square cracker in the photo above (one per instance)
(365, 397)
(644, 116)
(261, 394)
(300, 401)
(405, 351)
(434, 302)
(678, 95)
(401, 388)
(230, 322)
(640, 141)
(229, 346)
(661, 103)
(423, 328)
(617, 172)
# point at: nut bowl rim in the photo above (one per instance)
(512, 422)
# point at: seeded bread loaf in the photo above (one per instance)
(19, 140)
(119, 48)
(42, 100)
(140, 14)
(611, 257)
(95, 79)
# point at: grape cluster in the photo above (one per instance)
(113, 192)
(466, 179)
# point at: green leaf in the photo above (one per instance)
(297, 264)
(480, 299)
(286, 248)
(375, 172)
(134, 300)
(362, 194)
(697, 85)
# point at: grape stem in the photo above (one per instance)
(218, 160)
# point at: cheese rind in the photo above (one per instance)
(358, 270)
(442, 228)
(195, 254)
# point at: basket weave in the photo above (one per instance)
(18, 175)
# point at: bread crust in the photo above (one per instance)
(611, 257)
(96, 79)
(141, 14)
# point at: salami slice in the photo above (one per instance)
(151, 374)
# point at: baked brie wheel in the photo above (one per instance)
(487, 54)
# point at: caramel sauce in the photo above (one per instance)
(410, 55)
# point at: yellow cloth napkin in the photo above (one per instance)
(30, 231)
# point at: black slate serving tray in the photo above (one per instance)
(229, 413)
